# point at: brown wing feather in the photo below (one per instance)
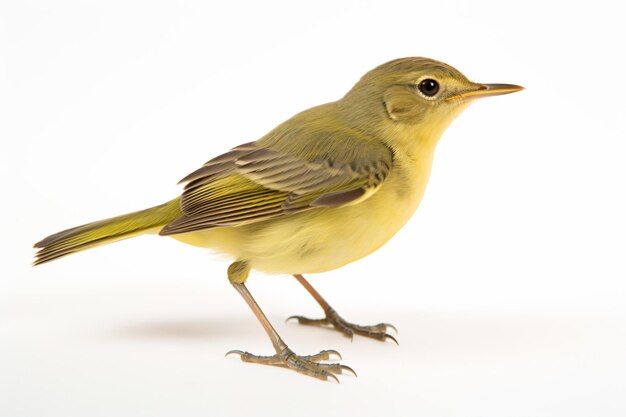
(251, 183)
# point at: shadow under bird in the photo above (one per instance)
(325, 188)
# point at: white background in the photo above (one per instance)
(508, 285)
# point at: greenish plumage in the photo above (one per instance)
(287, 171)
(106, 231)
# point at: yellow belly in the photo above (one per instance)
(323, 239)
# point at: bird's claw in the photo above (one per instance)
(377, 331)
(309, 365)
(235, 352)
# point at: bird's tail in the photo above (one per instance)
(106, 231)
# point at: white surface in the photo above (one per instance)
(507, 286)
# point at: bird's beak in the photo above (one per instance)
(486, 90)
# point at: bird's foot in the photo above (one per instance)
(377, 331)
(308, 365)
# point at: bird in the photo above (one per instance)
(327, 187)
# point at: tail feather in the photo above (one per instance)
(106, 231)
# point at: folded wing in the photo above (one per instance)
(255, 182)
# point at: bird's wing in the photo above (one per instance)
(258, 180)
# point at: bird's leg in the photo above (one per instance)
(309, 365)
(377, 331)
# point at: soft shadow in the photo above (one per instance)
(187, 329)
(430, 334)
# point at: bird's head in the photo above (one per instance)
(418, 95)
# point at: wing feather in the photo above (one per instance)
(255, 182)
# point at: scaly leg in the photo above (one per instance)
(377, 331)
(284, 357)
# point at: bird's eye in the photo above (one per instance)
(428, 87)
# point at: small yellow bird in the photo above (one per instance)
(325, 188)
